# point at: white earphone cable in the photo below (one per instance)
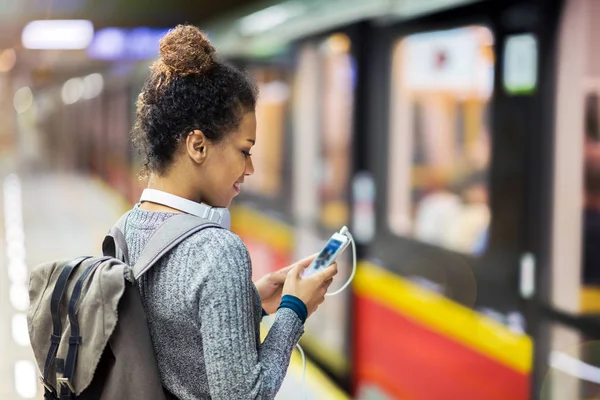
(345, 285)
(303, 370)
(346, 232)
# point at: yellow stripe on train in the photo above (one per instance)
(442, 315)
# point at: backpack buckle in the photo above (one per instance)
(65, 381)
(46, 385)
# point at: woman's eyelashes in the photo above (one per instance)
(246, 153)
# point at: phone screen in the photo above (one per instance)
(325, 257)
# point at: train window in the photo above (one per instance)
(591, 190)
(337, 82)
(440, 138)
(589, 298)
(267, 154)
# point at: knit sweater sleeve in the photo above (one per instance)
(237, 366)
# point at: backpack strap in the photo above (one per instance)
(172, 232)
(57, 295)
(67, 391)
(114, 244)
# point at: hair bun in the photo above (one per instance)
(186, 50)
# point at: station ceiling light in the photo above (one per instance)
(268, 18)
(58, 34)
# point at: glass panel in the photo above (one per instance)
(267, 154)
(337, 69)
(440, 138)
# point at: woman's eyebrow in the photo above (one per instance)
(252, 141)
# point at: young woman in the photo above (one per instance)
(195, 126)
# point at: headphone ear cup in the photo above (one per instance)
(224, 217)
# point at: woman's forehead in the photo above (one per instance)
(247, 129)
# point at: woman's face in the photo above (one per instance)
(227, 163)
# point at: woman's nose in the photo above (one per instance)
(249, 167)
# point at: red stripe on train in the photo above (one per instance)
(409, 361)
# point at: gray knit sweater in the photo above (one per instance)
(204, 313)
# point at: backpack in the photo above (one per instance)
(87, 324)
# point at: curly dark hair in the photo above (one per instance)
(188, 88)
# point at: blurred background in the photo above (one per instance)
(458, 139)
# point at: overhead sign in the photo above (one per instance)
(520, 64)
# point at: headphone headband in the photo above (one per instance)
(217, 215)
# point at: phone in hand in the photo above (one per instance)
(334, 247)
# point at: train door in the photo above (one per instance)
(438, 297)
(323, 141)
(569, 366)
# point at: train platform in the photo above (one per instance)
(50, 216)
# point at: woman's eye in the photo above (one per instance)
(246, 153)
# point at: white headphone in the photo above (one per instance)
(217, 215)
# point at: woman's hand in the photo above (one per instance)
(310, 290)
(270, 287)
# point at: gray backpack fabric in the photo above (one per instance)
(87, 325)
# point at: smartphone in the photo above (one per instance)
(334, 247)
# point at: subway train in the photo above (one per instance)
(459, 142)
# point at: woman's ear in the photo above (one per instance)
(196, 145)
